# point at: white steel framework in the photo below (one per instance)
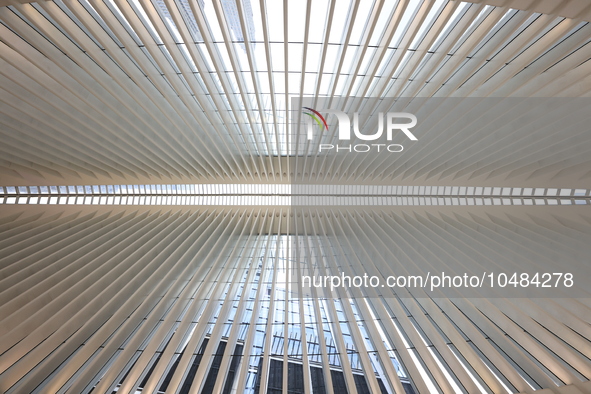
(112, 109)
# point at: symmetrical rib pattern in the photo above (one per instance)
(191, 300)
(193, 91)
(112, 109)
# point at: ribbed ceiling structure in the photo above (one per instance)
(191, 92)
(161, 204)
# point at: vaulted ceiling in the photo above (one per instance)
(145, 92)
(160, 198)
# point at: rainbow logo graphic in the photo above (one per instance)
(315, 115)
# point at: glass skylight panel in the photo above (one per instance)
(279, 82)
(581, 192)
(362, 21)
(384, 19)
(357, 84)
(211, 20)
(248, 83)
(294, 80)
(402, 64)
(277, 56)
(281, 194)
(117, 12)
(367, 58)
(187, 15)
(225, 65)
(139, 10)
(313, 56)
(325, 84)
(296, 27)
(234, 18)
(274, 20)
(349, 62)
(331, 59)
(318, 15)
(168, 57)
(168, 21)
(309, 83)
(295, 57)
(424, 62)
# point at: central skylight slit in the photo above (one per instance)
(288, 194)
